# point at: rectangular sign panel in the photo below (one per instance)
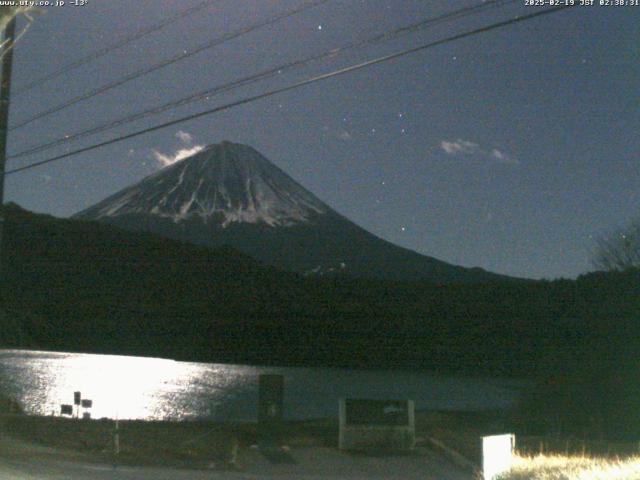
(377, 412)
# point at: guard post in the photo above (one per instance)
(77, 399)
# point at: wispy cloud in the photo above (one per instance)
(345, 135)
(184, 137)
(185, 151)
(503, 157)
(460, 147)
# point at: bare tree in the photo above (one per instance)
(619, 250)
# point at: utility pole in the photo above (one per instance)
(8, 38)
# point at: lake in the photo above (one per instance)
(160, 389)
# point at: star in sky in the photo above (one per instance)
(538, 180)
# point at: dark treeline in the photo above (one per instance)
(83, 286)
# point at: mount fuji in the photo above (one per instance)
(229, 194)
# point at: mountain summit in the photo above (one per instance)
(229, 194)
(227, 183)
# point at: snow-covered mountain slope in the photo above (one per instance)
(229, 181)
(229, 194)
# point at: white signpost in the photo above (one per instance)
(497, 455)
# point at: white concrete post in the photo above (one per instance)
(497, 454)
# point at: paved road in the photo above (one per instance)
(19, 461)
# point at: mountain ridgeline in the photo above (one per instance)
(88, 286)
(73, 285)
(229, 194)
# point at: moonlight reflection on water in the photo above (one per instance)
(159, 389)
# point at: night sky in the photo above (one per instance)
(512, 150)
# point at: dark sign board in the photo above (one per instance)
(377, 412)
(76, 398)
(66, 409)
(87, 403)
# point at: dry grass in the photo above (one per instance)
(558, 467)
(460, 431)
(192, 444)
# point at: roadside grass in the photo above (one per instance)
(190, 444)
(460, 431)
(208, 444)
(560, 467)
(193, 444)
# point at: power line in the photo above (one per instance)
(296, 85)
(115, 46)
(167, 62)
(262, 75)
(268, 73)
